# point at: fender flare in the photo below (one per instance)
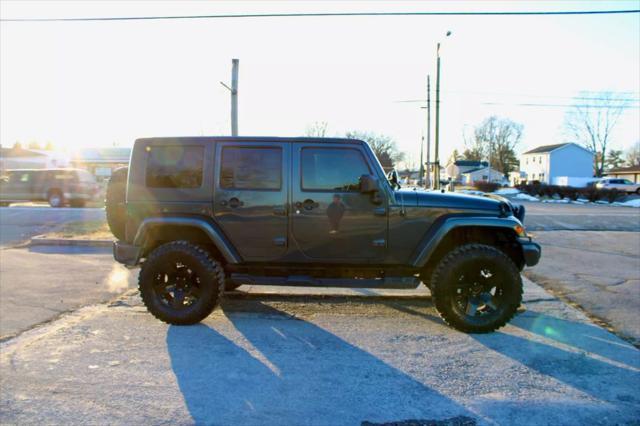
(432, 239)
(214, 233)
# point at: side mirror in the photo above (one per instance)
(393, 179)
(368, 184)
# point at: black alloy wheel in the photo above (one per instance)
(180, 283)
(476, 288)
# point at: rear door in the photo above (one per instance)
(250, 201)
(331, 219)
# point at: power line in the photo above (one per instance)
(324, 14)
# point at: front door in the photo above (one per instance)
(250, 201)
(331, 219)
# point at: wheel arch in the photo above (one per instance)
(155, 231)
(498, 232)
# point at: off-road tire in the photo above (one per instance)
(55, 198)
(452, 264)
(207, 269)
(115, 202)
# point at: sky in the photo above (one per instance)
(88, 84)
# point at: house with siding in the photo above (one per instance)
(559, 164)
(632, 173)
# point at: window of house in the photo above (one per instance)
(174, 166)
(326, 169)
(251, 168)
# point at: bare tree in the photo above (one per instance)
(318, 129)
(495, 140)
(633, 155)
(591, 120)
(383, 146)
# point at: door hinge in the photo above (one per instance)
(380, 211)
(380, 243)
(280, 241)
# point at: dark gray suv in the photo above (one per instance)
(205, 214)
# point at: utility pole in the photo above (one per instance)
(235, 65)
(421, 179)
(436, 178)
(234, 96)
(436, 172)
(429, 180)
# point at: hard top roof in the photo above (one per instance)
(299, 139)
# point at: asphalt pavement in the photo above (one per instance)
(579, 217)
(597, 270)
(19, 223)
(313, 360)
(39, 283)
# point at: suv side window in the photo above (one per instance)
(174, 166)
(254, 168)
(332, 169)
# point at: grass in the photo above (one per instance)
(84, 230)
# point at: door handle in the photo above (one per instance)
(232, 203)
(309, 204)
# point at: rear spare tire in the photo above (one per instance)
(115, 202)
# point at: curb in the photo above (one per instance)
(43, 241)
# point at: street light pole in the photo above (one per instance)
(429, 131)
(436, 177)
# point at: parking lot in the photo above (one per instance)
(318, 357)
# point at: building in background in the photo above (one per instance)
(23, 158)
(101, 161)
(559, 164)
(482, 174)
(632, 173)
(454, 170)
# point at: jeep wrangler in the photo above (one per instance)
(202, 215)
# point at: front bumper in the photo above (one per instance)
(531, 251)
(127, 254)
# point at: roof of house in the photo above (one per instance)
(100, 155)
(546, 148)
(477, 169)
(630, 169)
(549, 148)
(19, 152)
(471, 163)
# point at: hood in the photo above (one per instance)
(454, 200)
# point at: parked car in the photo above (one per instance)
(205, 215)
(57, 186)
(624, 185)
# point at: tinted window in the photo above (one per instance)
(174, 166)
(332, 169)
(251, 168)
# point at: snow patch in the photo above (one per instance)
(630, 203)
(527, 197)
(562, 201)
(507, 191)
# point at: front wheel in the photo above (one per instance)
(180, 283)
(476, 288)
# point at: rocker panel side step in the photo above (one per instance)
(308, 281)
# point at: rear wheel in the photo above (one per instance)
(55, 198)
(476, 288)
(115, 202)
(638, 191)
(180, 283)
